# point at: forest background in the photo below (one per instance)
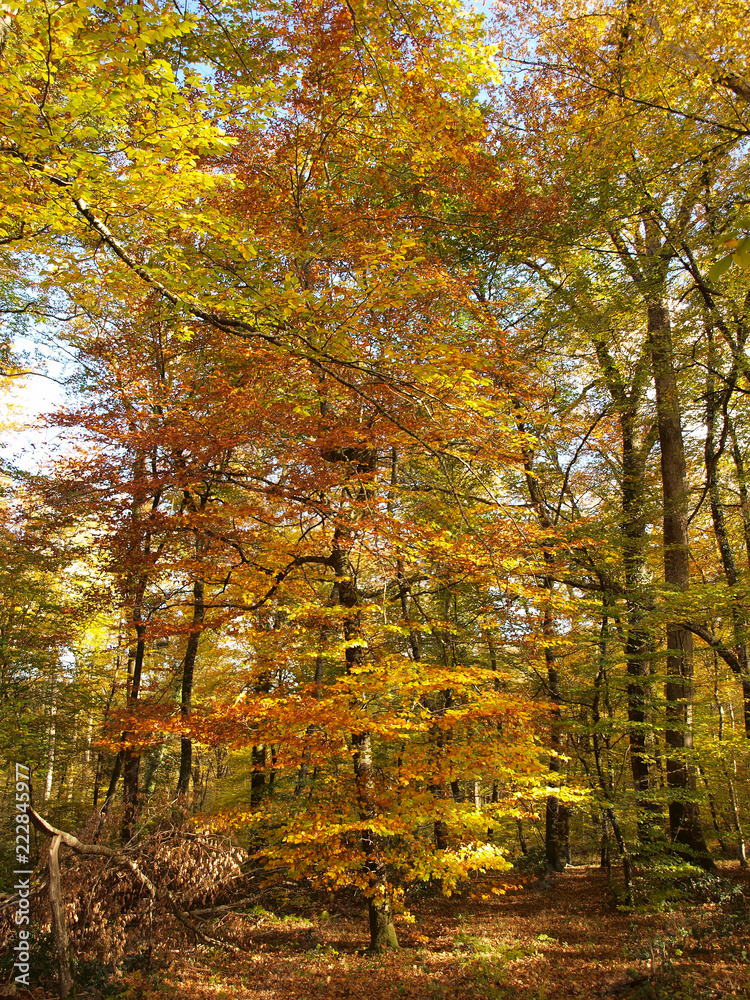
(396, 522)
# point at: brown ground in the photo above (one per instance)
(504, 938)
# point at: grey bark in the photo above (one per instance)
(684, 816)
(637, 441)
(648, 267)
(605, 780)
(712, 452)
(59, 924)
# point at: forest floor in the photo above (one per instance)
(505, 937)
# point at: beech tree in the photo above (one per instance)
(641, 206)
(341, 138)
(406, 450)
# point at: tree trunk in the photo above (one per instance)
(556, 813)
(638, 643)
(714, 811)
(143, 508)
(744, 495)
(153, 759)
(113, 781)
(97, 778)
(99, 757)
(556, 819)
(606, 782)
(437, 736)
(131, 759)
(259, 752)
(382, 929)
(188, 671)
(318, 679)
(712, 454)
(636, 446)
(736, 820)
(684, 816)
(59, 923)
(51, 744)
(521, 837)
(258, 779)
(604, 861)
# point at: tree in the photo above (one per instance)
(640, 202)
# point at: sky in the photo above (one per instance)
(24, 440)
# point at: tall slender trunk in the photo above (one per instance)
(521, 837)
(437, 736)
(304, 766)
(712, 453)
(144, 506)
(152, 762)
(258, 778)
(188, 672)
(261, 754)
(599, 742)
(131, 758)
(51, 743)
(89, 738)
(557, 848)
(117, 767)
(636, 446)
(59, 923)
(97, 778)
(684, 816)
(318, 679)
(556, 819)
(638, 643)
(380, 911)
(113, 780)
(647, 264)
(736, 821)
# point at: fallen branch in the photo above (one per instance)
(59, 924)
(10, 899)
(121, 858)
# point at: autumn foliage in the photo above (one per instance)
(399, 510)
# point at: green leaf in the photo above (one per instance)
(720, 267)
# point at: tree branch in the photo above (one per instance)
(121, 858)
(710, 639)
